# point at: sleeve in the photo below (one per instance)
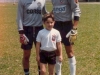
(77, 11)
(20, 16)
(38, 38)
(75, 7)
(58, 37)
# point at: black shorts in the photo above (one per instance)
(64, 28)
(31, 33)
(48, 57)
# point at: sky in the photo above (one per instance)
(8, 0)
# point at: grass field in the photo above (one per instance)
(87, 46)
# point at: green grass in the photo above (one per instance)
(87, 49)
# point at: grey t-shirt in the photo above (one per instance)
(63, 9)
(30, 13)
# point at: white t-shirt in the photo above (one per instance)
(48, 39)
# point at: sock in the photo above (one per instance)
(72, 63)
(58, 66)
(39, 70)
(26, 71)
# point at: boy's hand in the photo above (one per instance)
(60, 58)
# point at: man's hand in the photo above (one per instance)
(76, 1)
(72, 35)
(23, 39)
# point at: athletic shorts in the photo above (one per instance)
(64, 28)
(31, 33)
(48, 57)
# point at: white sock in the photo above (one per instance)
(72, 63)
(58, 66)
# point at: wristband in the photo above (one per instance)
(76, 18)
(21, 32)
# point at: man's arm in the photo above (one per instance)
(23, 37)
(77, 13)
(74, 4)
(76, 19)
(75, 24)
(20, 17)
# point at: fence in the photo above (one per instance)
(3, 1)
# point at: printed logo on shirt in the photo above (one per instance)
(59, 9)
(34, 8)
(33, 11)
(53, 37)
(61, 1)
(39, 4)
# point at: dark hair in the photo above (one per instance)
(45, 17)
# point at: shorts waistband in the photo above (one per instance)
(32, 26)
(64, 21)
(47, 51)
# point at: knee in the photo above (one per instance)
(51, 73)
(70, 54)
(43, 72)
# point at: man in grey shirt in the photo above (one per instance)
(66, 14)
(29, 22)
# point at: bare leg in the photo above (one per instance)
(43, 69)
(25, 61)
(72, 60)
(58, 65)
(51, 69)
(38, 64)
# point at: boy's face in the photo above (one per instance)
(49, 23)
